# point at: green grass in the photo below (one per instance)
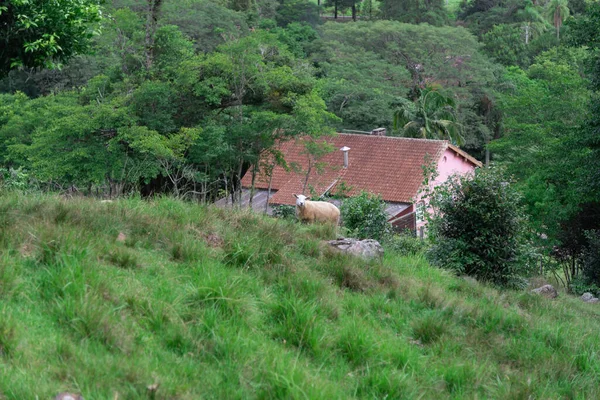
(210, 303)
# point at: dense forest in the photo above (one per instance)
(118, 97)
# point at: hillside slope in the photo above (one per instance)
(106, 299)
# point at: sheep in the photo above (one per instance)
(316, 211)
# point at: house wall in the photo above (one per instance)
(449, 164)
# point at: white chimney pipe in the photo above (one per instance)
(345, 150)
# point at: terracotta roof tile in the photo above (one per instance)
(389, 166)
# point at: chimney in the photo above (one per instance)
(345, 150)
(378, 132)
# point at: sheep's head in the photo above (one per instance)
(300, 200)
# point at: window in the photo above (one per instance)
(420, 211)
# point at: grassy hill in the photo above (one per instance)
(107, 299)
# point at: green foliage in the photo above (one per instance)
(591, 258)
(478, 228)
(284, 211)
(207, 23)
(414, 57)
(360, 88)
(544, 108)
(581, 285)
(406, 244)
(557, 12)
(364, 215)
(432, 116)
(505, 44)
(14, 179)
(431, 12)
(292, 11)
(34, 34)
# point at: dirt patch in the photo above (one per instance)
(213, 240)
(26, 250)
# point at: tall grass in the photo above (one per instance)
(108, 299)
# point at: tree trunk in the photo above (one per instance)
(354, 12)
(307, 176)
(335, 9)
(252, 186)
(151, 23)
(268, 193)
(526, 34)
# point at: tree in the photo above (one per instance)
(544, 110)
(44, 34)
(359, 87)
(557, 11)
(431, 116)
(504, 43)
(532, 21)
(477, 228)
(152, 14)
(432, 12)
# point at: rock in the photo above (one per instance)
(589, 298)
(68, 396)
(367, 248)
(546, 291)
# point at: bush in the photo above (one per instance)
(580, 285)
(14, 179)
(364, 215)
(591, 258)
(284, 211)
(478, 228)
(406, 244)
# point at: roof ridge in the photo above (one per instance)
(394, 137)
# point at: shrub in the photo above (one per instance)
(591, 258)
(477, 228)
(284, 211)
(580, 285)
(364, 215)
(406, 244)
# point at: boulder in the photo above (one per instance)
(589, 298)
(367, 248)
(546, 291)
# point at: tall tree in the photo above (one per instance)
(557, 11)
(152, 13)
(531, 20)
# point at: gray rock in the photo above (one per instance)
(68, 396)
(546, 291)
(589, 298)
(367, 248)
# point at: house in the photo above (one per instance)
(389, 166)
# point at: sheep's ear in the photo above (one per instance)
(295, 195)
(308, 198)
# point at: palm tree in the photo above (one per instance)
(533, 22)
(431, 116)
(557, 11)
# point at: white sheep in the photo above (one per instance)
(316, 211)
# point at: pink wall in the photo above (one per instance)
(449, 163)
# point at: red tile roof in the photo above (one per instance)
(390, 166)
